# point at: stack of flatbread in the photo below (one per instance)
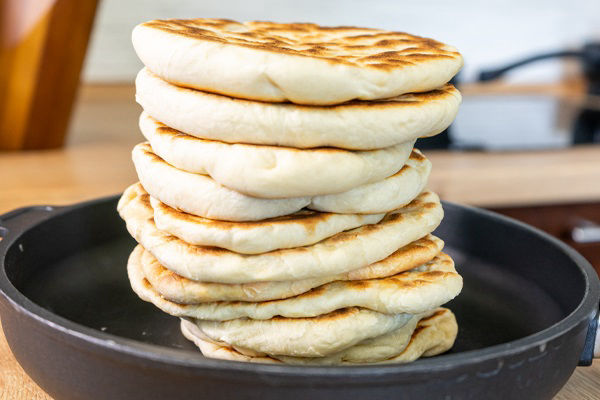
(280, 210)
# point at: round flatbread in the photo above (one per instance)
(434, 334)
(200, 195)
(301, 63)
(273, 171)
(343, 252)
(302, 228)
(388, 194)
(357, 125)
(410, 292)
(181, 290)
(303, 337)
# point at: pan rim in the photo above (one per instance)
(160, 356)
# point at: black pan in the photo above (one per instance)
(75, 326)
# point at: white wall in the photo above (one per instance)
(488, 33)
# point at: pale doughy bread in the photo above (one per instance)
(433, 335)
(302, 63)
(369, 350)
(200, 195)
(185, 291)
(388, 194)
(358, 125)
(343, 252)
(303, 337)
(301, 228)
(411, 292)
(273, 171)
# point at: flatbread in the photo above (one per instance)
(432, 335)
(302, 228)
(374, 349)
(303, 337)
(411, 292)
(303, 63)
(273, 171)
(185, 291)
(357, 125)
(388, 194)
(343, 252)
(200, 195)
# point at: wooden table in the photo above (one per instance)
(87, 170)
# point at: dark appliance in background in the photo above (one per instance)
(586, 125)
(576, 224)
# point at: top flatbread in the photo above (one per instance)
(299, 62)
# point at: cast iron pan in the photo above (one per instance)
(73, 323)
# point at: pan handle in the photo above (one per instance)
(15, 222)
(591, 348)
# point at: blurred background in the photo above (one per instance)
(525, 142)
(490, 35)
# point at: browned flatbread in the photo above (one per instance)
(434, 334)
(411, 292)
(348, 45)
(298, 62)
(353, 125)
(340, 253)
(186, 291)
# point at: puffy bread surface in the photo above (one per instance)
(182, 290)
(433, 334)
(373, 349)
(356, 125)
(202, 196)
(304, 337)
(274, 171)
(411, 292)
(385, 195)
(298, 62)
(343, 252)
(302, 228)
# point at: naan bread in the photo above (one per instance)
(357, 125)
(200, 195)
(303, 63)
(302, 228)
(303, 337)
(186, 291)
(434, 334)
(388, 194)
(274, 171)
(410, 292)
(343, 252)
